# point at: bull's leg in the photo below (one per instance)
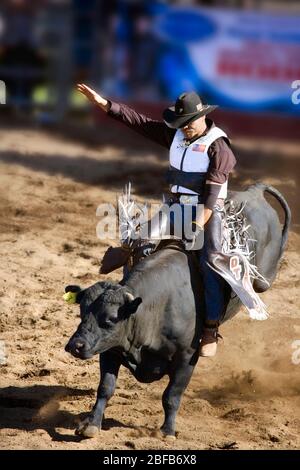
(267, 265)
(109, 368)
(179, 379)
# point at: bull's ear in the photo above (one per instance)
(132, 306)
(73, 294)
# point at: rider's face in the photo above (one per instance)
(194, 128)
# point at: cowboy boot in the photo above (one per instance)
(209, 341)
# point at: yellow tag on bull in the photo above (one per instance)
(70, 297)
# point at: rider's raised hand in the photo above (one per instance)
(93, 96)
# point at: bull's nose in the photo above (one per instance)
(76, 346)
(79, 346)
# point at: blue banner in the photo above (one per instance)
(244, 60)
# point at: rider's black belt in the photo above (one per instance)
(174, 198)
(195, 181)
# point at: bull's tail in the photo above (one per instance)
(287, 212)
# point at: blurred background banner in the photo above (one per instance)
(244, 60)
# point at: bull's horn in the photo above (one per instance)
(129, 297)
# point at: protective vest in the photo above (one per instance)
(189, 163)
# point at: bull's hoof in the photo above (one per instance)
(170, 437)
(85, 429)
(167, 436)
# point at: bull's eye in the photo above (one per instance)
(113, 320)
(105, 324)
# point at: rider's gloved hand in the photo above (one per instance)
(196, 227)
(195, 237)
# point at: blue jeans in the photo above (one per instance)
(214, 284)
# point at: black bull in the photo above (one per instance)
(151, 322)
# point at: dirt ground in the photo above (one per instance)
(51, 182)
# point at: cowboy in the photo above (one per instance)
(200, 163)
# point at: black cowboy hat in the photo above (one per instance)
(188, 108)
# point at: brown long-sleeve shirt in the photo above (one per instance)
(222, 159)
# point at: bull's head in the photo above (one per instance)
(104, 309)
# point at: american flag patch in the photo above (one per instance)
(199, 147)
